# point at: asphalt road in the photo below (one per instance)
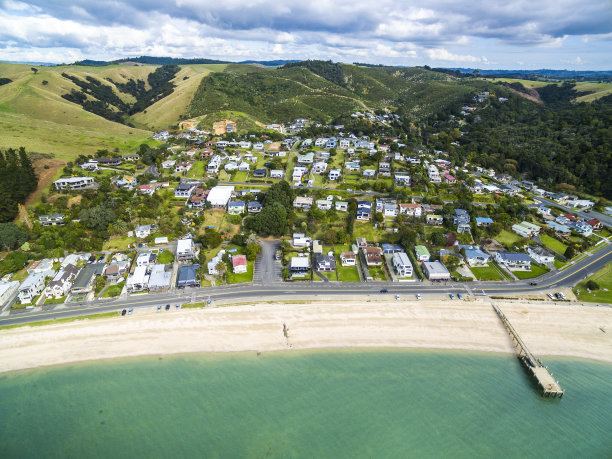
(605, 219)
(306, 290)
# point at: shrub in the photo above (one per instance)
(592, 285)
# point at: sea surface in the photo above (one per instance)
(306, 404)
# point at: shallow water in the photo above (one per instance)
(312, 404)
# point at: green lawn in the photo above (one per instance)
(243, 277)
(368, 231)
(377, 273)
(113, 291)
(120, 243)
(559, 264)
(490, 272)
(54, 300)
(507, 238)
(535, 272)
(197, 171)
(331, 275)
(603, 277)
(165, 257)
(553, 244)
(347, 273)
(240, 176)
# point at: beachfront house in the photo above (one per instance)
(402, 264)
(513, 260)
(435, 270)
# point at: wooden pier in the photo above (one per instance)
(550, 387)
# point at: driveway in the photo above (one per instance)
(268, 270)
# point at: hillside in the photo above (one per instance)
(33, 113)
(327, 91)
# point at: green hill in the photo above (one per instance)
(324, 91)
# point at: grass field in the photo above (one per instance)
(197, 170)
(377, 273)
(490, 272)
(535, 272)
(112, 291)
(603, 277)
(597, 90)
(347, 273)
(553, 244)
(118, 243)
(165, 257)
(35, 116)
(507, 238)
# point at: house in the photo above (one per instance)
(583, 228)
(212, 264)
(60, 285)
(301, 240)
(364, 210)
(184, 189)
(183, 166)
(260, 173)
(239, 264)
(236, 207)
(476, 257)
(298, 173)
(563, 229)
(230, 166)
(373, 255)
(434, 219)
(463, 228)
(168, 164)
(540, 255)
(214, 164)
(484, 221)
(146, 259)
(7, 290)
(185, 250)
(433, 174)
(31, 287)
(116, 270)
(219, 196)
(342, 206)
(299, 266)
(402, 178)
(147, 190)
(402, 264)
(461, 216)
(580, 203)
(545, 211)
(421, 253)
(139, 280)
(412, 210)
(74, 183)
(307, 158)
(595, 224)
(243, 166)
(277, 174)
(352, 166)
(435, 270)
(254, 207)
(302, 202)
(348, 258)
(513, 260)
(389, 210)
(83, 283)
(187, 277)
(159, 279)
(324, 204)
(526, 229)
(324, 262)
(142, 231)
(51, 220)
(334, 174)
(449, 178)
(368, 173)
(384, 169)
(198, 198)
(361, 242)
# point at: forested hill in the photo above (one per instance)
(566, 144)
(17, 181)
(325, 90)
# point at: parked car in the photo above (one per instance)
(123, 312)
(167, 307)
(550, 296)
(533, 283)
(384, 290)
(131, 310)
(178, 306)
(418, 296)
(158, 307)
(397, 297)
(452, 297)
(460, 296)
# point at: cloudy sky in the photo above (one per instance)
(519, 34)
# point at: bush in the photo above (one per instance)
(592, 285)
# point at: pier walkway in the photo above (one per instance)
(550, 387)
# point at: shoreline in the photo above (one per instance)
(441, 325)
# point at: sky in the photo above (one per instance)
(485, 34)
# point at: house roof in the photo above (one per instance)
(514, 256)
(239, 260)
(421, 250)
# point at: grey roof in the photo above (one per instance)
(84, 277)
(514, 256)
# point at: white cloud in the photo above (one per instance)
(441, 54)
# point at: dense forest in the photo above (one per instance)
(5, 81)
(17, 180)
(563, 144)
(108, 105)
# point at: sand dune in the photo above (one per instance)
(548, 330)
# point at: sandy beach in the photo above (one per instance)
(548, 330)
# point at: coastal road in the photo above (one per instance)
(605, 219)
(253, 293)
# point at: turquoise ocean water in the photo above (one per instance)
(306, 404)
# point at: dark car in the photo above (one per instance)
(384, 290)
(123, 312)
(167, 307)
(533, 283)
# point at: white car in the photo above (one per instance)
(418, 295)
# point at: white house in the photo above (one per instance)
(185, 250)
(342, 206)
(74, 183)
(434, 174)
(184, 189)
(60, 285)
(277, 174)
(540, 255)
(301, 240)
(219, 196)
(513, 260)
(334, 174)
(302, 202)
(142, 231)
(348, 258)
(412, 210)
(319, 167)
(298, 173)
(402, 264)
(212, 264)
(31, 287)
(324, 204)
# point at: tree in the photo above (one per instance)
(592, 285)
(495, 228)
(272, 220)
(252, 251)
(11, 237)
(14, 261)
(437, 238)
(211, 239)
(570, 252)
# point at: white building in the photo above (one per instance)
(60, 284)
(138, 281)
(334, 174)
(31, 287)
(212, 264)
(301, 240)
(142, 231)
(7, 290)
(435, 270)
(219, 196)
(540, 255)
(74, 183)
(185, 249)
(402, 264)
